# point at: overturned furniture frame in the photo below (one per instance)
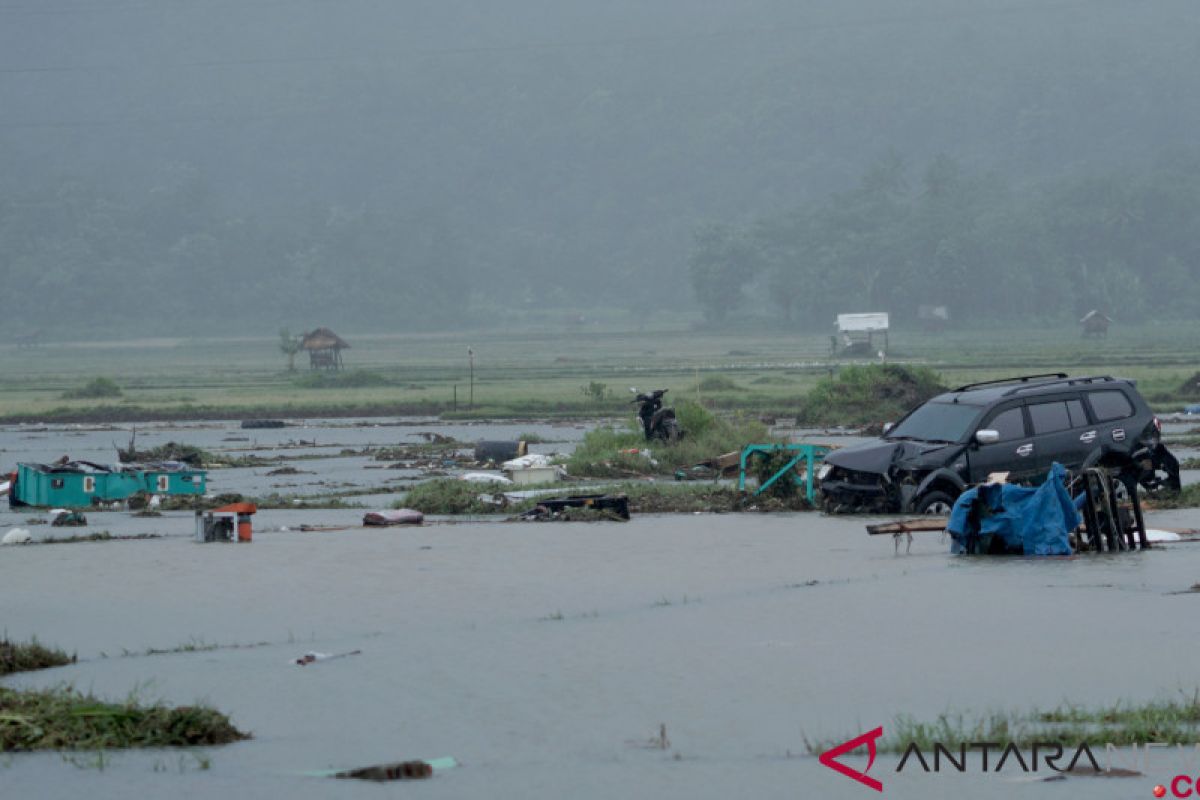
(1105, 527)
(810, 454)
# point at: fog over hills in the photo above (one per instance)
(392, 165)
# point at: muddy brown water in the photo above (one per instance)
(544, 657)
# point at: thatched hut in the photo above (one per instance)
(324, 349)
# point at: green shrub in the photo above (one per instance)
(97, 388)
(695, 419)
(602, 453)
(870, 393)
(717, 383)
(595, 391)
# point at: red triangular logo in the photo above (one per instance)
(830, 758)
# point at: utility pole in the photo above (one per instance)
(471, 393)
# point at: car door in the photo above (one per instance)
(1061, 432)
(1110, 411)
(1014, 453)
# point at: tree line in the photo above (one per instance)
(1123, 241)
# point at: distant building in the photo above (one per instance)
(324, 349)
(856, 333)
(1095, 324)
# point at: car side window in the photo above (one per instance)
(1110, 405)
(1010, 424)
(1078, 416)
(1049, 417)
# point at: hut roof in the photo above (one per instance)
(323, 339)
(1095, 314)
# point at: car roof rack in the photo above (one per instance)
(1067, 381)
(1019, 379)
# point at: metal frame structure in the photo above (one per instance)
(809, 453)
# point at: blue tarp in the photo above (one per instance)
(1020, 520)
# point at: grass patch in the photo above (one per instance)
(28, 656)
(449, 496)
(1166, 721)
(95, 389)
(536, 438)
(689, 498)
(1188, 497)
(610, 452)
(100, 536)
(613, 452)
(64, 719)
(870, 393)
(351, 379)
(192, 646)
(270, 501)
(717, 383)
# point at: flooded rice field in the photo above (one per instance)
(546, 657)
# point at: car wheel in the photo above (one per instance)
(936, 503)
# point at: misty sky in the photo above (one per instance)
(546, 147)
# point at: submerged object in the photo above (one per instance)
(395, 516)
(483, 477)
(17, 536)
(395, 771)
(312, 655)
(500, 451)
(616, 505)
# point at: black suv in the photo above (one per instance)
(1017, 425)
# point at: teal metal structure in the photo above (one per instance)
(83, 484)
(810, 454)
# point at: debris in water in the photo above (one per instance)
(395, 771)
(17, 536)
(312, 656)
(399, 516)
(262, 423)
(69, 519)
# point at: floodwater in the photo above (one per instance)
(545, 656)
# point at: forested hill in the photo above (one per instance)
(391, 164)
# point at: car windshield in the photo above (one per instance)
(936, 422)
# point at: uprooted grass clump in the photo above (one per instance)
(614, 452)
(1166, 721)
(870, 393)
(28, 656)
(64, 719)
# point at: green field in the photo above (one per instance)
(544, 373)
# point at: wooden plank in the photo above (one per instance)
(923, 524)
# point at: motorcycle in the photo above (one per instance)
(657, 422)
